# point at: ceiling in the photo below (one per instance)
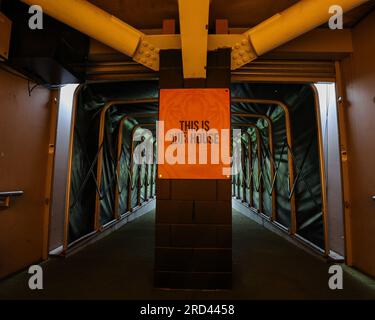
(149, 14)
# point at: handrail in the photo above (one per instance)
(119, 150)
(6, 195)
(272, 151)
(11, 193)
(259, 149)
(132, 162)
(108, 105)
(289, 136)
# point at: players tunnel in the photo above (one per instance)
(83, 94)
(281, 184)
(280, 179)
(104, 179)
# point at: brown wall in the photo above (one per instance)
(24, 139)
(359, 73)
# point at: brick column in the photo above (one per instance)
(193, 242)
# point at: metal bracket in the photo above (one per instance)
(147, 54)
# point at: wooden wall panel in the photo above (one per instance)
(359, 74)
(24, 140)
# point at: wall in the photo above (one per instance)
(64, 119)
(359, 74)
(24, 140)
(330, 135)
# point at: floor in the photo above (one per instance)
(120, 267)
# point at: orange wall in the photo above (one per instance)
(359, 73)
(24, 139)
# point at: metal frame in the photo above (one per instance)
(293, 228)
(138, 101)
(119, 151)
(250, 159)
(322, 168)
(101, 138)
(129, 198)
(69, 176)
(260, 39)
(272, 151)
(194, 21)
(103, 114)
(343, 142)
(259, 156)
(289, 136)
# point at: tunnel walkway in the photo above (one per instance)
(265, 266)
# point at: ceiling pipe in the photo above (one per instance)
(283, 27)
(101, 26)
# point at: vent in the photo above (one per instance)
(286, 71)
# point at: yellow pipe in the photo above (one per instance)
(300, 18)
(94, 22)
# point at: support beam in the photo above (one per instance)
(280, 29)
(283, 27)
(194, 36)
(96, 23)
(101, 26)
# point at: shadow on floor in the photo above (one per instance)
(265, 266)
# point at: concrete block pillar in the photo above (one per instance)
(193, 236)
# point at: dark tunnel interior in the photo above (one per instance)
(264, 182)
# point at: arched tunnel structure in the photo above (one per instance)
(105, 206)
(280, 134)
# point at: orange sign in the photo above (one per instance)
(194, 134)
